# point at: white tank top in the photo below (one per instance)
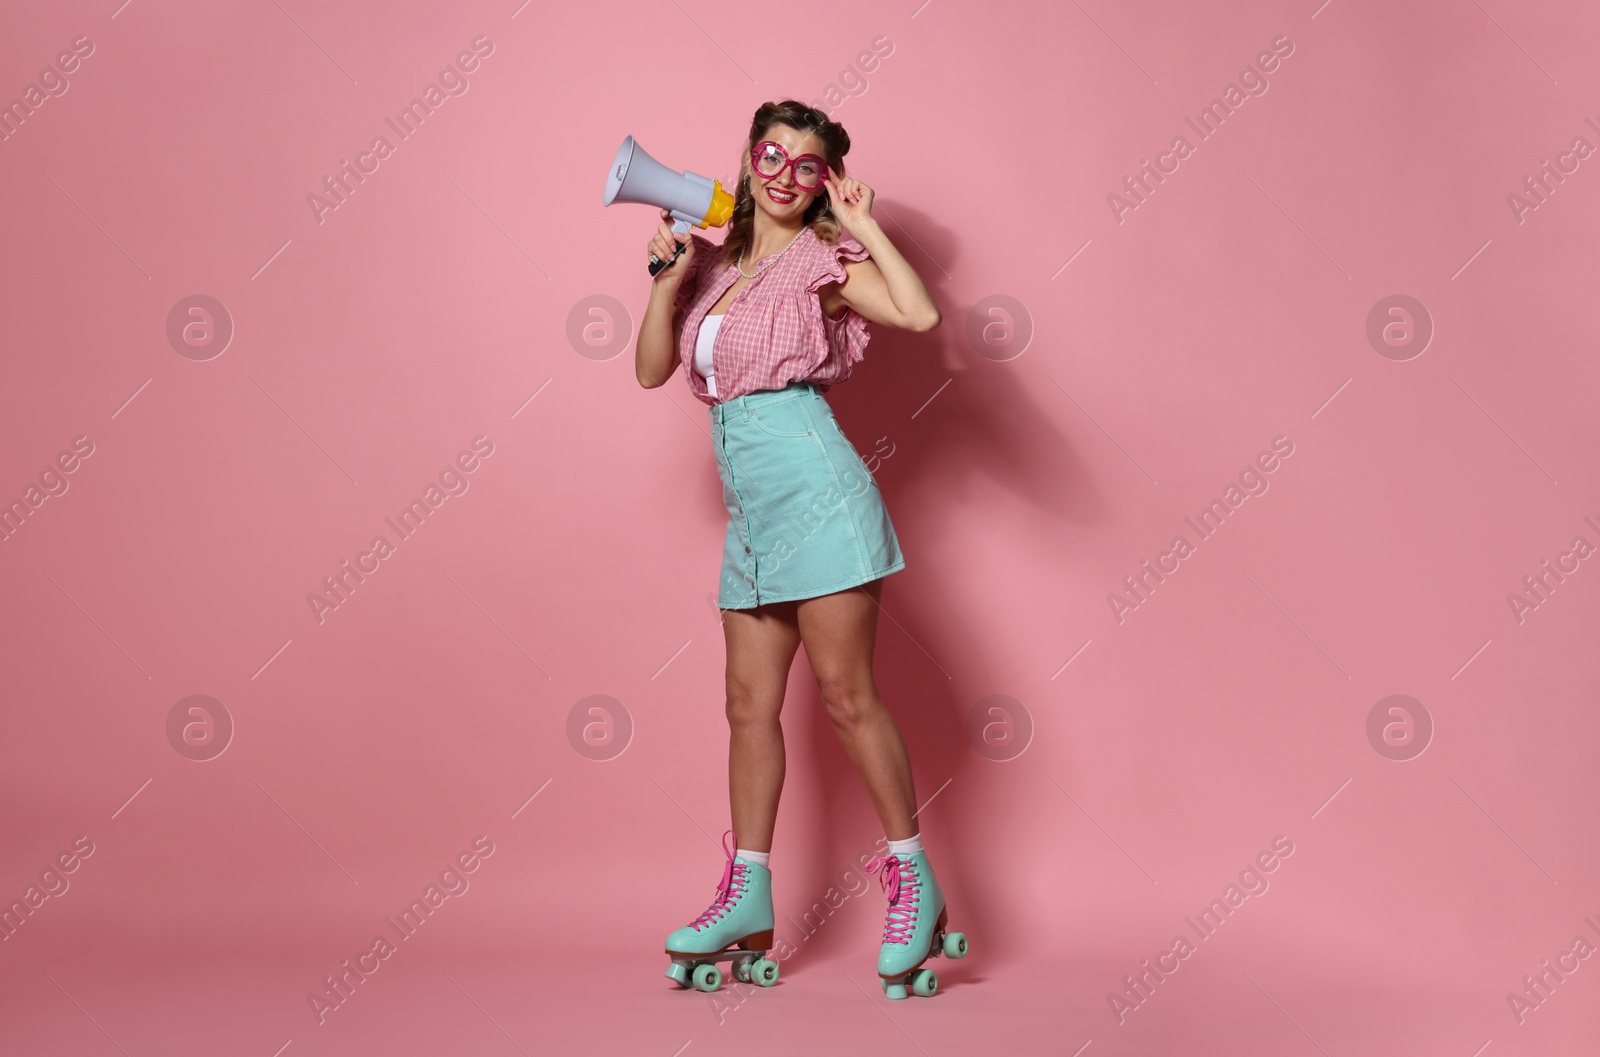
(702, 350)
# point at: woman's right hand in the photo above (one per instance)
(663, 245)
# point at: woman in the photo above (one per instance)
(808, 539)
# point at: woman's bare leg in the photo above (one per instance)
(761, 644)
(839, 631)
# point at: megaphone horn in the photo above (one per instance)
(692, 199)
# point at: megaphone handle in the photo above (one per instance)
(678, 228)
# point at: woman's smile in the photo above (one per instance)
(779, 196)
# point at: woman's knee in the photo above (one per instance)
(750, 706)
(848, 701)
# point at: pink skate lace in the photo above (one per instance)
(729, 889)
(900, 879)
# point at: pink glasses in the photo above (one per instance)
(769, 159)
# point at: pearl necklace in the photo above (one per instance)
(770, 261)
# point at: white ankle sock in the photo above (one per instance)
(904, 848)
(757, 857)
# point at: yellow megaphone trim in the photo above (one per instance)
(721, 210)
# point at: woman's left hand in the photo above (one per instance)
(850, 200)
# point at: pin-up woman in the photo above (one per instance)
(763, 326)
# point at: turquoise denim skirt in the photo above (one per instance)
(804, 514)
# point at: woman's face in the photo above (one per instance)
(779, 196)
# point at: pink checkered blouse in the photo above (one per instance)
(774, 332)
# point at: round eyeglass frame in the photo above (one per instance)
(788, 163)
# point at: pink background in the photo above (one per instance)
(437, 305)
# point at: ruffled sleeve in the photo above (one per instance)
(849, 333)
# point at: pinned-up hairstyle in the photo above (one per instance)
(819, 215)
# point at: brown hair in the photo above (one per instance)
(819, 215)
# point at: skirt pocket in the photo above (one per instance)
(782, 418)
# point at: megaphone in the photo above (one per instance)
(692, 199)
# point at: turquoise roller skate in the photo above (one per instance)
(914, 929)
(735, 928)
